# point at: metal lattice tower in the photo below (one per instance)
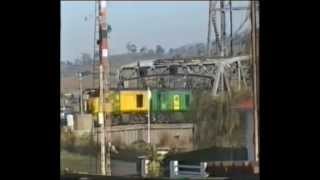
(209, 31)
(223, 29)
(221, 38)
(213, 22)
(231, 28)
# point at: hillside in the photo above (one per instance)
(68, 71)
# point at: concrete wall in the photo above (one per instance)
(165, 135)
(83, 122)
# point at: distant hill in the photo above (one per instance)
(68, 71)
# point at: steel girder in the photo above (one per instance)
(189, 73)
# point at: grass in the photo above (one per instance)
(86, 163)
(77, 162)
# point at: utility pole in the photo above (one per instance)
(255, 66)
(209, 30)
(101, 123)
(149, 101)
(80, 89)
(104, 88)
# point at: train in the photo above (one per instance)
(137, 101)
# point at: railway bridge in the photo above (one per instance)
(217, 74)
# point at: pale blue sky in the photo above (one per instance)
(145, 23)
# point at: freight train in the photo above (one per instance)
(135, 104)
(136, 101)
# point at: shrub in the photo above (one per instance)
(215, 119)
(68, 141)
(139, 146)
(83, 145)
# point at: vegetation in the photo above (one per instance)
(217, 123)
(84, 145)
(77, 162)
(131, 152)
(160, 50)
(132, 48)
(155, 166)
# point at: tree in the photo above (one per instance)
(132, 48)
(159, 50)
(143, 50)
(86, 58)
(128, 46)
(217, 122)
(200, 49)
(77, 61)
(150, 51)
(109, 29)
(171, 51)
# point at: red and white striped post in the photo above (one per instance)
(104, 87)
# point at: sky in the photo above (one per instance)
(145, 23)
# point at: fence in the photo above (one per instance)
(197, 171)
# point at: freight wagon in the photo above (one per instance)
(170, 101)
(136, 101)
(112, 107)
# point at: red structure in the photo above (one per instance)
(246, 105)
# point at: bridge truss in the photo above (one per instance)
(219, 75)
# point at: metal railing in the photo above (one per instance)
(178, 170)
